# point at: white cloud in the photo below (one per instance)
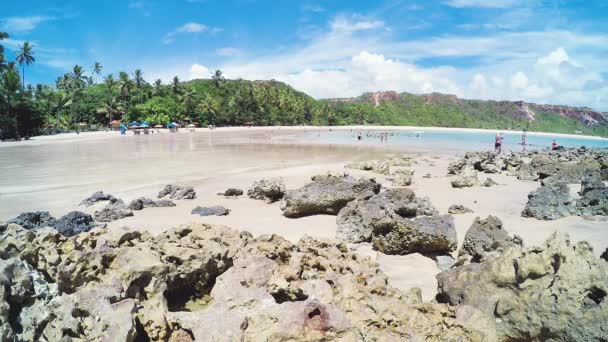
(227, 51)
(482, 3)
(199, 71)
(342, 24)
(23, 24)
(190, 27)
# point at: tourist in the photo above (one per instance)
(498, 143)
(523, 140)
(553, 145)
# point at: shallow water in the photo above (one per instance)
(57, 175)
(447, 141)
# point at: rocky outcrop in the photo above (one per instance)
(231, 192)
(177, 192)
(327, 194)
(268, 190)
(466, 179)
(594, 196)
(71, 224)
(553, 292)
(549, 202)
(115, 210)
(487, 238)
(264, 288)
(210, 211)
(458, 209)
(96, 197)
(425, 235)
(143, 202)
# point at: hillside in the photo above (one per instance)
(391, 108)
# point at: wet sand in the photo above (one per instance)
(55, 174)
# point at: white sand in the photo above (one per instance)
(55, 173)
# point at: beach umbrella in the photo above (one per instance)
(145, 123)
(82, 124)
(134, 123)
(191, 125)
(172, 124)
(158, 126)
(114, 123)
(195, 123)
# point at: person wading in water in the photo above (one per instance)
(498, 143)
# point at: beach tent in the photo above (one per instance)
(172, 125)
(134, 123)
(145, 123)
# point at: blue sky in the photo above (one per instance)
(552, 51)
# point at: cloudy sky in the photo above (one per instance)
(547, 51)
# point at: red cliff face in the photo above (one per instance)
(384, 96)
(587, 116)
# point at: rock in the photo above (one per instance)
(553, 292)
(74, 223)
(489, 182)
(605, 255)
(444, 262)
(465, 180)
(355, 221)
(177, 192)
(96, 197)
(428, 175)
(164, 203)
(268, 190)
(264, 288)
(425, 235)
(487, 238)
(141, 203)
(34, 220)
(209, 211)
(549, 202)
(364, 165)
(231, 192)
(115, 210)
(459, 209)
(594, 196)
(327, 194)
(402, 180)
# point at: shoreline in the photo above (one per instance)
(95, 134)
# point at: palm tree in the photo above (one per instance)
(138, 77)
(97, 68)
(110, 82)
(3, 35)
(125, 85)
(188, 99)
(175, 85)
(217, 78)
(158, 90)
(25, 56)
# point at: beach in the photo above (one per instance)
(56, 173)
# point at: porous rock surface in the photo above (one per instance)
(459, 209)
(487, 238)
(327, 194)
(73, 223)
(177, 192)
(549, 202)
(555, 292)
(267, 190)
(207, 283)
(115, 210)
(143, 202)
(210, 211)
(96, 197)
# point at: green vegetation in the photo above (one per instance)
(80, 99)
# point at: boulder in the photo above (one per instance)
(96, 197)
(74, 223)
(210, 211)
(115, 210)
(458, 209)
(177, 192)
(549, 202)
(444, 262)
(327, 194)
(487, 238)
(164, 203)
(268, 190)
(34, 220)
(467, 178)
(231, 192)
(605, 255)
(594, 196)
(141, 203)
(424, 235)
(553, 292)
(489, 182)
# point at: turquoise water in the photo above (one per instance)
(450, 141)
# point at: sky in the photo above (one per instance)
(543, 51)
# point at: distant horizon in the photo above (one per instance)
(536, 51)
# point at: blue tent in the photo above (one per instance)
(172, 124)
(134, 123)
(145, 124)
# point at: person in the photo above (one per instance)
(498, 143)
(359, 137)
(553, 145)
(523, 140)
